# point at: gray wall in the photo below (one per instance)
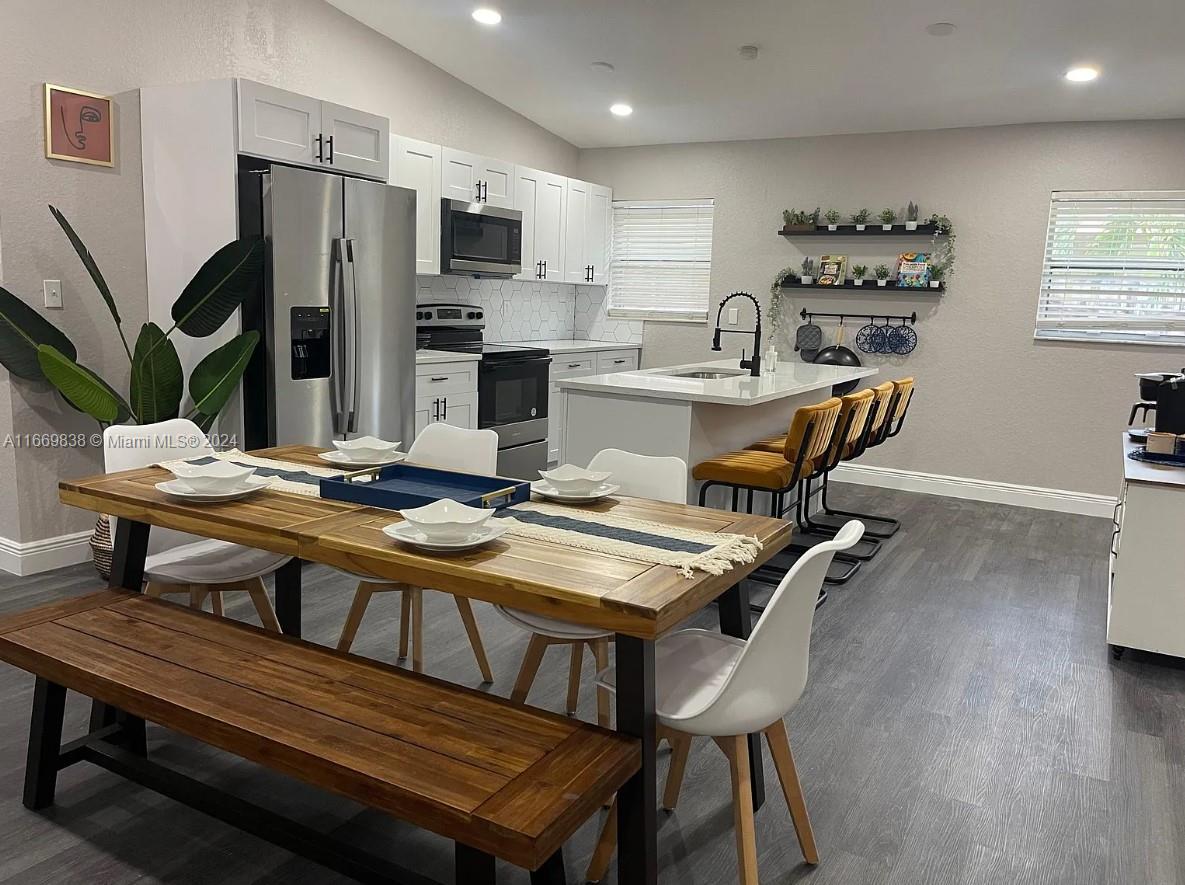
(115, 47)
(991, 402)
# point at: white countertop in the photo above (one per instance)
(428, 357)
(790, 379)
(569, 345)
(1146, 471)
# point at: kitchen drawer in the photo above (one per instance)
(616, 361)
(446, 378)
(573, 365)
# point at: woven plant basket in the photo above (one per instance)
(101, 545)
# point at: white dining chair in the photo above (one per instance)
(448, 448)
(640, 476)
(712, 685)
(179, 562)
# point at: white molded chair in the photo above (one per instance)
(708, 684)
(449, 448)
(640, 476)
(182, 563)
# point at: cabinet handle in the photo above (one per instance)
(445, 415)
(618, 362)
(573, 365)
(435, 410)
(320, 154)
(538, 270)
(329, 141)
(477, 187)
(485, 191)
(439, 378)
(545, 268)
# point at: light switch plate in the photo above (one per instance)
(53, 293)
(734, 314)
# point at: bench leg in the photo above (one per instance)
(473, 867)
(45, 743)
(552, 871)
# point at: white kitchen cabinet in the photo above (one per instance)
(355, 141)
(610, 361)
(446, 393)
(280, 125)
(578, 365)
(476, 179)
(541, 197)
(416, 165)
(586, 236)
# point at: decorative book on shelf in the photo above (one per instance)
(913, 270)
(833, 270)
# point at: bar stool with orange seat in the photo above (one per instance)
(776, 473)
(886, 429)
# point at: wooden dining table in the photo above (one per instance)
(636, 601)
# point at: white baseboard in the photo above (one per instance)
(32, 557)
(1059, 500)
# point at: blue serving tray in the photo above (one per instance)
(403, 486)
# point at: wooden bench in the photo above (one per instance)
(499, 779)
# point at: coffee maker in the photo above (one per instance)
(1164, 394)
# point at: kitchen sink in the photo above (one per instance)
(708, 374)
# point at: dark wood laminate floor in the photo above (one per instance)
(963, 724)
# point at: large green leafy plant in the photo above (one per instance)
(31, 347)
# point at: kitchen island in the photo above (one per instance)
(695, 412)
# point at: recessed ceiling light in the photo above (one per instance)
(487, 16)
(602, 67)
(940, 29)
(621, 109)
(1082, 75)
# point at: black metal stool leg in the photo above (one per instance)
(870, 532)
(45, 744)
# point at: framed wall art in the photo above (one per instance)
(79, 126)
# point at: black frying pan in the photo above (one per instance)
(838, 355)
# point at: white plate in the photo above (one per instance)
(340, 460)
(547, 490)
(402, 531)
(177, 488)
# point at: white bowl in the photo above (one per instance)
(366, 447)
(446, 519)
(217, 476)
(573, 480)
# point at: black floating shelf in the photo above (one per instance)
(872, 230)
(869, 286)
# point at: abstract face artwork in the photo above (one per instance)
(78, 126)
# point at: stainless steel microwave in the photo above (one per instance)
(480, 240)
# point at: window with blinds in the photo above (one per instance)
(1114, 267)
(662, 259)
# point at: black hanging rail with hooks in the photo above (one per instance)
(905, 318)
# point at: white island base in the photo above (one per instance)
(652, 412)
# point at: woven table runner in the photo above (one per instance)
(282, 476)
(638, 540)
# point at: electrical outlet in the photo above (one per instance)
(53, 293)
(734, 315)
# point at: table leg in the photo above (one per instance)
(637, 801)
(128, 553)
(288, 597)
(736, 619)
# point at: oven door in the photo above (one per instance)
(480, 239)
(512, 391)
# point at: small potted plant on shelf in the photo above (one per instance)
(887, 216)
(832, 216)
(911, 216)
(808, 271)
(859, 272)
(860, 219)
(882, 274)
(799, 221)
(937, 274)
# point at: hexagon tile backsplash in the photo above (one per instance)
(524, 310)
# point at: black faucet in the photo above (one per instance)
(753, 365)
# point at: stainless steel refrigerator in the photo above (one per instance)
(337, 315)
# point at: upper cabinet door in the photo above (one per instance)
(541, 197)
(459, 175)
(497, 182)
(575, 230)
(278, 124)
(416, 165)
(355, 141)
(600, 220)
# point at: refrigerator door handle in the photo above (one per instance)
(337, 313)
(350, 290)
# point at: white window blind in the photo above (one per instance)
(1114, 267)
(662, 259)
